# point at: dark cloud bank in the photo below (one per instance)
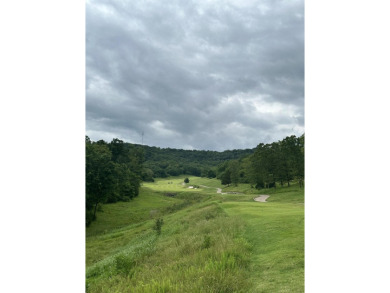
(195, 74)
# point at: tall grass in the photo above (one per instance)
(199, 251)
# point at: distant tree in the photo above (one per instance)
(288, 152)
(225, 178)
(126, 184)
(234, 172)
(117, 149)
(193, 170)
(147, 175)
(258, 167)
(211, 174)
(158, 172)
(186, 180)
(101, 142)
(173, 170)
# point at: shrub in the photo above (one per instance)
(158, 225)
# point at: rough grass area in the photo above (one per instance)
(208, 242)
(121, 214)
(198, 251)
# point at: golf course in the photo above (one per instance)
(199, 236)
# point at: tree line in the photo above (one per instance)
(165, 162)
(281, 162)
(113, 173)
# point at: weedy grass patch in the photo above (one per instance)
(205, 255)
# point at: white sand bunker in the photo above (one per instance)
(261, 198)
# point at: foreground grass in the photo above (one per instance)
(199, 250)
(277, 235)
(209, 242)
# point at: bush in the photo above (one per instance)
(186, 180)
(158, 225)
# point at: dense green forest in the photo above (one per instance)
(165, 162)
(113, 173)
(281, 161)
(115, 170)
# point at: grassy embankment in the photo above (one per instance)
(209, 242)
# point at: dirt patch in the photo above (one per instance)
(261, 198)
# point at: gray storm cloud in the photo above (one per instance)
(195, 74)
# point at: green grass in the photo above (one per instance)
(120, 214)
(209, 242)
(276, 232)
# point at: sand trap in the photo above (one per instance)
(261, 198)
(219, 190)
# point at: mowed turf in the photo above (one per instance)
(212, 243)
(277, 235)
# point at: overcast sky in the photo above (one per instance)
(198, 74)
